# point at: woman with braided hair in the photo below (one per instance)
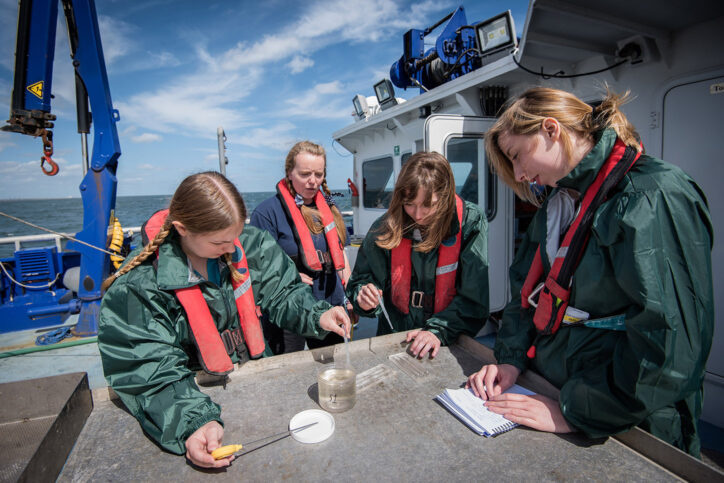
(304, 220)
(612, 298)
(188, 300)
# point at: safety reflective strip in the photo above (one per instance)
(241, 289)
(330, 227)
(446, 269)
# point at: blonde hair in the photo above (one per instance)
(430, 172)
(311, 215)
(525, 115)
(203, 203)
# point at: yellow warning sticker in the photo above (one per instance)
(37, 89)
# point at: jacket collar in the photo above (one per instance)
(585, 172)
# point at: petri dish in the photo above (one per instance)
(313, 434)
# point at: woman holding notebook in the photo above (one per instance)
(612, 285)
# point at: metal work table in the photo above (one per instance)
(395, 432)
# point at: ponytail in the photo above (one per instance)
(608, 115)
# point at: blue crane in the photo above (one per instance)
(31, 114)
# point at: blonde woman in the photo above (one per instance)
(612, 284)
(187, 300)
(427, 258)
(303, 218)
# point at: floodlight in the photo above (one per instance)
(385, 94)
(496, 33)
(360, 106)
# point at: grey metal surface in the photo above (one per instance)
(39, 422)
(395, 432)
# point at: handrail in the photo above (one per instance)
(19, 240)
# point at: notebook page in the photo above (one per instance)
(474, 409)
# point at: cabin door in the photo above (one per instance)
(693, 117)
(460, 140)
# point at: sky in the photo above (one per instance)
(270, 73)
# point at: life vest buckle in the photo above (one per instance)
(234, 342)
(325, 258)
(533, 297)
(418, 299)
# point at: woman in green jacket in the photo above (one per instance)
(427, 258)
(634, 351)
(148, 326)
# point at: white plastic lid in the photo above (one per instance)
(313, 434)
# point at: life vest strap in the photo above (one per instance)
(554, 296)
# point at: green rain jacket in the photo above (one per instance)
(468, 310)
(648, 258)
(148, 355)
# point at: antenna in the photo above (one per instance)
(223, 160)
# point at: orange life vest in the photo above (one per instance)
(555, 291)
(309, 256)
(213, 352)
(447, 264)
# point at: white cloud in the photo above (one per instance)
(300, 64)
(146, 137)
(118, 38)
(31, 169)
(278, 137)
(194, 104)
(320, 102)
(324, 23)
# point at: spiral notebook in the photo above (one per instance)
(469, 408)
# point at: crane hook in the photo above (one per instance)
(53, 165)
(47, 153)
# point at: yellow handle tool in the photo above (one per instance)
(230, 449)
(226, 451)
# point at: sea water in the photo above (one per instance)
(337, 389)
(66, 215)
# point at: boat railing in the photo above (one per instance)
(18, 241)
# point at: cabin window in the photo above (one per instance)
(466, 156)
(405, 157)
(378, 182)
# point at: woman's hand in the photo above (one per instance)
(334, 320)
(492, 379)
(202, 442)
(306, 278)
(368, 297)
(424, 341)
(537, 411)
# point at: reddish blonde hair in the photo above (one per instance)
(525, 115)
